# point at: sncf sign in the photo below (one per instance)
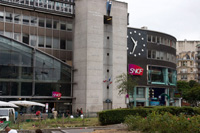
(56, 94)
(135, 70)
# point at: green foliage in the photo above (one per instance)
(193, 95)
(193, 83)
(183, 86)
(118, 115)
(163, 123)
(126, 83)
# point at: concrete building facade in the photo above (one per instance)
(186, 57)
(99, 54)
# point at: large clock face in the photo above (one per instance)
(136, 43)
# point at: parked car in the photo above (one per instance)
(7, 114)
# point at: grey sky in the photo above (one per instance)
(180, 18)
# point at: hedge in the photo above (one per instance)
(116, 116)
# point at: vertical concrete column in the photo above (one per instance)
(135, 96)
(166, 99)
(147, 96)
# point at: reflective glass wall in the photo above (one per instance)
(161, 75)
(25, 71)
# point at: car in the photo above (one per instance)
(7, 114)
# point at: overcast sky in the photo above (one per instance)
(179, 18)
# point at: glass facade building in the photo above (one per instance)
(26, 72)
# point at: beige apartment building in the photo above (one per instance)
(187, 60)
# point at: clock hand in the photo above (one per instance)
(134, 48)
(135, 42)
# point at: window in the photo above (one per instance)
(153, 56)
(17, 18)
(25, 38)
(48, 42)
(9, 17)
(62, 26)
(69, 27)
(69, 45)
(157, 55)
(162, 55)
(49, 23)
(140, 92)
(41, 22)
(33, 40)
(62, 44)
(161, 40)
(149, 53)
(9, 34)
(1, 16)
(34, 21)
(41, 41)
(56, 25)
(56, 43)
(17, 36)
(158, 40)
(26, 20)
(149, 38)
(191, 63)
(154, 39)
(168, 57)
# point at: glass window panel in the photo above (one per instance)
(48, 23)
(62, 44)
(9, 17)
(149, 53)
(153, 55)
(157, 55)
(9, 34)
(25, 38)
(69, 27)
(17, 36)
(33, 40)
(158, 39)
(153, 39)
(48, 42)
(26, 89)
(56, 25)
(26, 20)
(1, 16)
(41, 41)
(168, 57)
(156, 74)
(69, 45)
(63, 26)
(34, 21)
(41, 22)
(55, 43)
(27, 73)
(17, 18)
(161, 55)
(149, 38)
(140, 92)
(9, 88)
(9, 72)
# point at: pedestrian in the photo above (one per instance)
(9, 130)
(38, 131)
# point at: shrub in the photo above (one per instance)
(118, 115)
(164, 123)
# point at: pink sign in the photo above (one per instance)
(135, 70)
(56, 94)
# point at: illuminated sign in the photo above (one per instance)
(135, 70)
(56, 94)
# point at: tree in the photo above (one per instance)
(193, 83)
(193, 95)
(183, 86)
(126, 84)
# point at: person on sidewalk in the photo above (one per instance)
(9, 130)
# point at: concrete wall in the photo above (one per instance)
(89, 54)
